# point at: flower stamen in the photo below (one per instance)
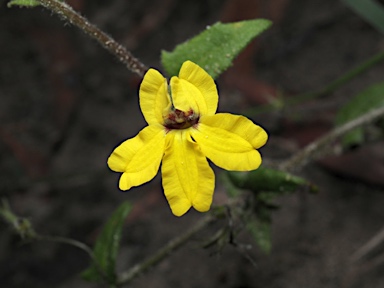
(178, 119)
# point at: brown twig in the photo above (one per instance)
(67, 13)
(304, 156)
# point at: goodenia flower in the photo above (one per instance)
(183, 131)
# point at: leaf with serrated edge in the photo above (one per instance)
(215, 48)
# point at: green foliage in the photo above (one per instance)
(370, 10)
(23, 3)
(215, 48)
(370, 98)
(106, 247)
(267, 179)
(260, 229)
(267, 184)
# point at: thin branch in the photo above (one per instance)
(279, 104)
(343, 79)
(304, 156)
(67, 13)
(80, 245)
(68, 241)
(161, 254)
(359, 269)
(24, 229)
(368, 247)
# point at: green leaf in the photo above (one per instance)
(370, 10)
(215, 48)
(23, 3)
(267, 179)
(370, 98)
(106, 247)
(261, 233)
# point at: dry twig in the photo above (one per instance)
(316, 148)
(67, 13)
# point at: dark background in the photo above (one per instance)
(65, 103)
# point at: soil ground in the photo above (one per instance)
(66, 103)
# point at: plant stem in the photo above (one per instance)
(79, 245)
(345, 78)
(300, 159)
(67, 13)
(331, 87)
(68, 241)
(161, 254)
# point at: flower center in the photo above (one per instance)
(178, 119)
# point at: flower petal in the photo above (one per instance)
(186, 97)
(194, 83)
(187, 178)
(139, 157)
(226, 149)
(239, 125)
(154, 97)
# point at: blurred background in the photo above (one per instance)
(65, 103)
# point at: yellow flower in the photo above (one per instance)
(183, 131)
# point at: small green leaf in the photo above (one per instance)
(23, 3)
(370, 98)
(372, 11)
(215, 48)
(261, 233)
(106, 247)
(267, 179)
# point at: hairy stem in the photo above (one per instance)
(304, 156)
(67, 13)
